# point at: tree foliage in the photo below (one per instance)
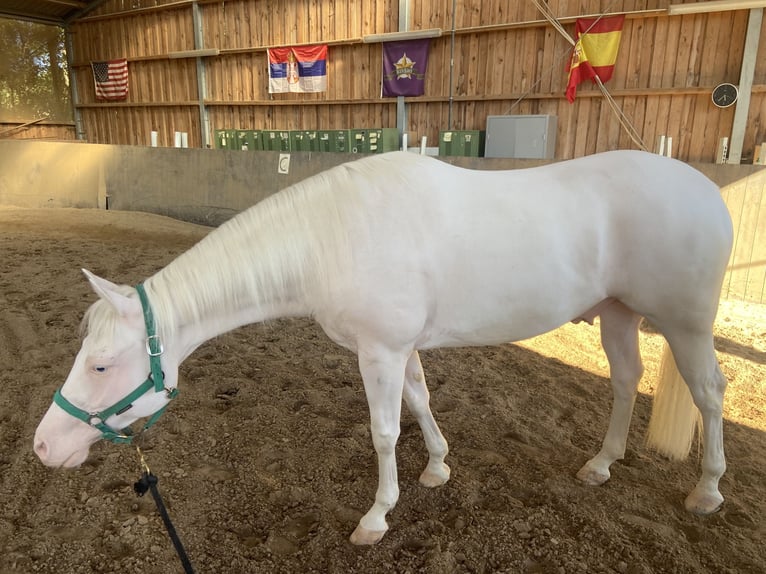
(33, 74)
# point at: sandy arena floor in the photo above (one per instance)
(266, 462)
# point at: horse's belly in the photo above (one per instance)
(476, 325)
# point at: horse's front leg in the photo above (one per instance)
(417, 399)
(619, 337)
(383, 376)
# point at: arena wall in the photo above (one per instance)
(210, 186)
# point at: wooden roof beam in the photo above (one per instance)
(714, 6)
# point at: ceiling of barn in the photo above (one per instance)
(46, 11)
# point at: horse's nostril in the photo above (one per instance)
(41, 449)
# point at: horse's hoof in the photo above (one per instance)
(432, 478)
(703, 502)
(363, 537)
(591, 476)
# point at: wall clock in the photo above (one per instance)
(724, 95)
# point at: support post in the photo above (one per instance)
(745, 85)
(73, 91)
(199, 41)
(401, 107)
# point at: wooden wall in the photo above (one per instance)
(507, 60)
(37, 131)
(746, 276)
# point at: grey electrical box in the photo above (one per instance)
(521, 137)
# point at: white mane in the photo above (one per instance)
(287, 247)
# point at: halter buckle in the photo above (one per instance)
(153, 341)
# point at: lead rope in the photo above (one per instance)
(149, 482)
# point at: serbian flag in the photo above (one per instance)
(110, 79)
(597, 42)
(299, 69)
(404, 67)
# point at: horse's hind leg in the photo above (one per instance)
(619, 337)
(695, 358)
(416, 397)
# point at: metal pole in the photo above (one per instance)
(199, 41)
(401, 107)
(451, 65)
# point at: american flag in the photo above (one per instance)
(111, 79)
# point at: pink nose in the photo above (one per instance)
(41, 449)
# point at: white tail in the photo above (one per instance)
(674, 414)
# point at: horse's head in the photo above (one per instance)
(118, 377)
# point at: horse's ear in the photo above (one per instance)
(110, 292)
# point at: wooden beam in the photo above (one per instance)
(714, 6)
(625, 93)
(179, 104)
(196, 53)
(746, 74)
(22, 126)
(72, 3)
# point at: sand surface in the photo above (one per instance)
(266, 462)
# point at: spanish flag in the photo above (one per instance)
(597, 41)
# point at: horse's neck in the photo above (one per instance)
(191, 335)
(274, 260)
(209, 291)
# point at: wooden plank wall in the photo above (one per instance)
(506, 60)
(37, 131)
(746, 276)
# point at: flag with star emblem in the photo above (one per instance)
(404, 67)
(595, 51)
(111, 79)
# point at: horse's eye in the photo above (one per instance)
(100, 369)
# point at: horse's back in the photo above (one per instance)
(626, 184)
(468, 256)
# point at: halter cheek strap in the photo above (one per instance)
(155, 380)
(153, 344)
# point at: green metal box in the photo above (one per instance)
(249, 140)
(376, 140)
(226, 139)
(303, 141)
(334, 140)
(462, 142)
(274, 140)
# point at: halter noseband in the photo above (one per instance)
(155, 381)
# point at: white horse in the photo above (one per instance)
(398, 252)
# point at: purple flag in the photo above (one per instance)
(404, 67)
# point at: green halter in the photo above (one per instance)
(154, 381)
